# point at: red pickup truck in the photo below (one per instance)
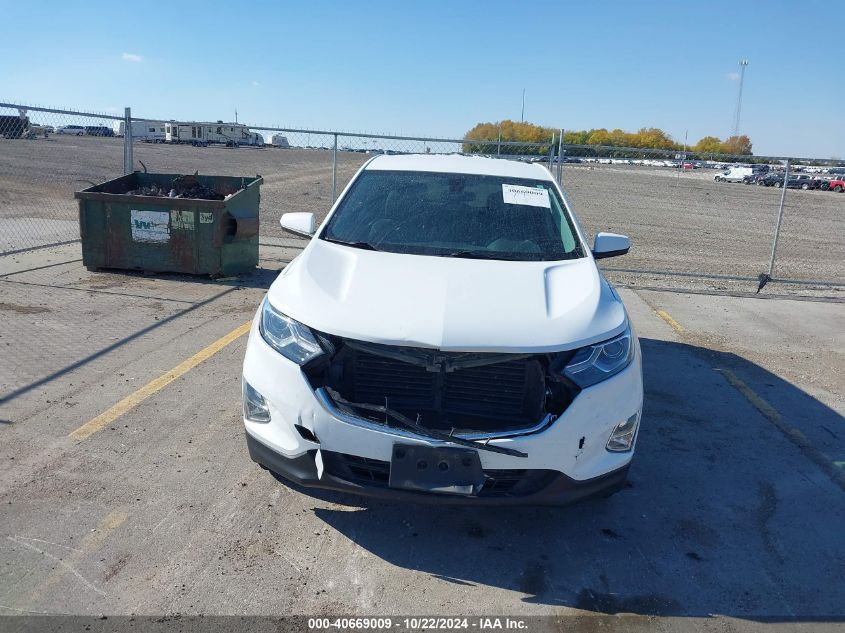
(836, 184)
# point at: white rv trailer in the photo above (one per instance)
(203, 133)
(279, 140)
(150, 131)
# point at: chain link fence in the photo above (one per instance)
(687, 219)
(45, 156)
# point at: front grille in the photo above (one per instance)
(404, 385)
(376, 473)
(364, 469)
(504, 395)
(496, 391)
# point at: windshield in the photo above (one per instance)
(454, 215)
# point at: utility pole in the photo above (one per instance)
(522, 116)
(742, 64)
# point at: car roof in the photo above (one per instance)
(457, 164)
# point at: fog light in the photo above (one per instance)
(622, 438)
(255, 406)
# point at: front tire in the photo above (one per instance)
(805, 186)
(778, 184)
(838, 188)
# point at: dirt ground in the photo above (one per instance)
(686, 230)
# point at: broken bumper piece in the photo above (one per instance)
(370, 477)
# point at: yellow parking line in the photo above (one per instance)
(670, 321)
(133, 400)
(830, 467)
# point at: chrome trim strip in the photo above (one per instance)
(328, 404)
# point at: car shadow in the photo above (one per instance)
(258, 278)
(723, 514)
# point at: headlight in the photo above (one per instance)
(598, 362)
(290, 338)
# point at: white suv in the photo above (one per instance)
(446, 336)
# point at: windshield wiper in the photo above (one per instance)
(362, 245)
(411, 425)
(478, 255)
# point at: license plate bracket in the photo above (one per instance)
(442, 469)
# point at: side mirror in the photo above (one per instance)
(610, 245)
(298, 223)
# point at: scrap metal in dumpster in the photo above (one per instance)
(195, 224)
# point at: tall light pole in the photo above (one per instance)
(742, 64)
(522, 116)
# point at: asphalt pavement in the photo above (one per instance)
(126, 488)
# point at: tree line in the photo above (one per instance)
(650, 138)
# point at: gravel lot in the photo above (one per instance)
(682, 225)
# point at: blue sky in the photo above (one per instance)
(437, 68)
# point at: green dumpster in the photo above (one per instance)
(151, 222)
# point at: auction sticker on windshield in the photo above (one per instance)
(531, 196)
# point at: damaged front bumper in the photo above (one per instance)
(313, 442)
(557, 490)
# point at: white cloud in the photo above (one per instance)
(255, 83)
(732, 76)
(132, 57)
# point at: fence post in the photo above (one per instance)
(551, 151)
(334, 168)
(780, 220)
(560, 158)
(767, 276)
(128, 161)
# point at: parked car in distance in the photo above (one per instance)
(36, 130)
(446, 336)
(770, 179)
(835, 184)
(74, 130)
(733, 174)
(800, 181)
(98, 130)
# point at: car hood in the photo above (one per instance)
(448, 303)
